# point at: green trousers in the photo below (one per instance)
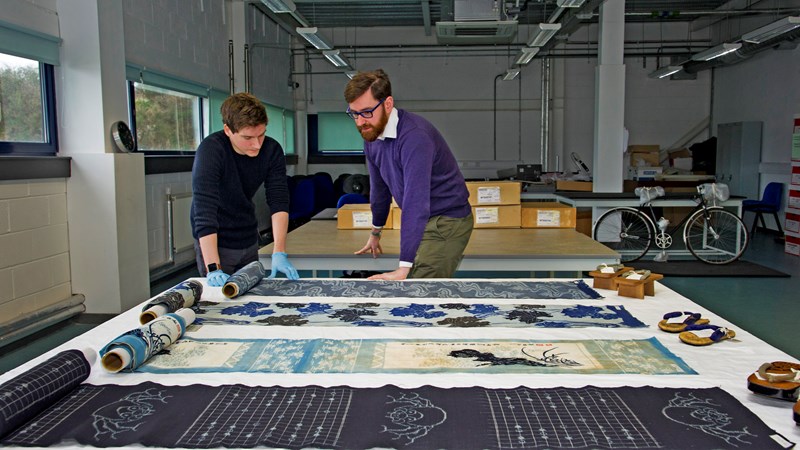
(442, 247)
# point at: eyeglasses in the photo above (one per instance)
(367, 113)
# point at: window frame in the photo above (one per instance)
(203, 111)
(315, 156)
(50, 125)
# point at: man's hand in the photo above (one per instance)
(280, 263)
(400, 274)
(373, 246)
(217, 278)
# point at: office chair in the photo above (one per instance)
(351, 198)
(770, 203)
(324, 195)
(301, 203)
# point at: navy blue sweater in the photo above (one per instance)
(224, 183)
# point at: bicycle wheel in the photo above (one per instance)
(716, 236)
(626, 231)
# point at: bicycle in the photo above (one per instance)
(710, 233)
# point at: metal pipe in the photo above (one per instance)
(247, 87)
(40, 320)
(230, 67)
(544, 128)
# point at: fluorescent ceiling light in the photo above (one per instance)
(310, 34)
(665, 71)
(542, 33)
(527, 55)
(280, 6)
(511, 74)
(716, 52)
(772, 30)
(570, 3)
(335, 57)
(351, 73)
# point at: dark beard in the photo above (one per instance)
(376, 130)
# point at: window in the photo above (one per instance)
(166, 121)
(27, 107)
(281, 127)
(334, 138)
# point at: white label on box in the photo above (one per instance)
(794, 202)
(487, 215)
(792, 225)
(362, 219)
(489, 194)
(792, 248)
(548, 218)
(796, 178)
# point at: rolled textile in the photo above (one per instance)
(131, 349)
(182, 295)
(25, 396)
(243, 280)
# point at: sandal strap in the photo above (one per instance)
(690, 316)
(716, 336)
(793, 375)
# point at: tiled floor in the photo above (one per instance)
(766, 307)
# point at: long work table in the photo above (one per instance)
(319, 245)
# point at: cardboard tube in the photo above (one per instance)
(230, 290)
(116, 360)
(152, 313)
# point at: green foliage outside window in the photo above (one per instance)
(21, 112)
(166, 120)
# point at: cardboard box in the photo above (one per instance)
(583, 221)
(644, 149)
(792, 223)
(680, 153)
(682, 163)
(795, 174)
(358, 216)
(396, 213)
(645, 159)
(547, 215)
(794, 198)
(494, 192)
(792, 245)
(568, 185)
(645, 173)
(501, 216)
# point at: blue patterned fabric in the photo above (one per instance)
(244, 279)
(420, 418)
(476, 356)
(144, 342)
(183, 295)
(522, 290)
(459, 315)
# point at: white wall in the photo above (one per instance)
(763, 88)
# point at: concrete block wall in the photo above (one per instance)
(34, 247)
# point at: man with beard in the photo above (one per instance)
(409, 159)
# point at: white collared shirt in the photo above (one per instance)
(391, 126)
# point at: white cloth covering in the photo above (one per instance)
(726, 364)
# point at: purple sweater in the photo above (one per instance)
(422, 174)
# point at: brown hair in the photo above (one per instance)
(376, 81)
(242, 110)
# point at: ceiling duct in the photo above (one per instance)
(746, 51)
(476, 22)
(476, 33)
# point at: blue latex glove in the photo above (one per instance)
(280, 263)
(217, 278)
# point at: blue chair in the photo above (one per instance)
(301, 202)
(770, 203)
(324, 194)
(351, 198)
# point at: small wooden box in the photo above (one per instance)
(637, 288)
(602, 280)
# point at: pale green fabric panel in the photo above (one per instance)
(147, 76)
(337, 133)
(18, 41)
(215, 99)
